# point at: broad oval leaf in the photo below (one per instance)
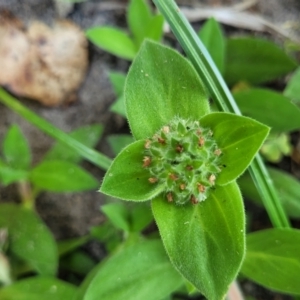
(135, 272)
(205, 242)
(270, 108)
(255, 60)
(213, 39)
(127, 179)
(162, 84)
(273, 259)
(61, 176)
(29, 238)
(112, 40)
(239, 139)
(37, 288)
(15, 148)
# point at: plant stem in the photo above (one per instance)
(91, 155)
(220, 93)
(25, 191)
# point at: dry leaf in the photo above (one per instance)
(42, 63)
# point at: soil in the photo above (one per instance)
(71, 215)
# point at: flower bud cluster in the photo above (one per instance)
(184, 158)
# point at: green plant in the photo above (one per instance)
(200, 215)
(38, 252)
(142, 24)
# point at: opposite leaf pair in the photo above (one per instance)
(169, 115)
(185, 154)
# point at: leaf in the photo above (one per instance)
(287, 187)
(292, 90)
(118, 215)
(127, 179)
(29, 238)
(255, 60)
(119, 141)
(138, 17)
(155, 28)
(239, 139)
(118, 107)
(273, 259)
(77, 262)
(213, 39)
(69, 245)
(88, 135)
(205, 242)
(112, 40)
(161, 84)
(135, 272)
(270, 108)
(62, 176)
(15, 149)
(141, 216)
(276, 146)
(117, 80)
(37, 288)
(9, 175)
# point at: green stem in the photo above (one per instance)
(25, 192)
(91, 155)
(223, 98)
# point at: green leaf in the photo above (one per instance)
(155, 28)
(135, 272)
(29, 238)
(112, 40)
(287, 186)
(108, 235)
(138, 17)
(118, 107)
(270, 108)
(141, 216)
(9, 175)
(117, 80)
(126, 178)
(273, 259)
(162, 84)
(15, 149)
(119, 141)
(205, 242)
(118, 215)
(292, 89)
(37, 288)
(69, 245)
(256, 61)
(213, 39)
(77, 262)
(88, 135)
(276, 146)
(239, 139)
(62, 176)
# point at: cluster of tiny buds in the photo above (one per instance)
(184, 158)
